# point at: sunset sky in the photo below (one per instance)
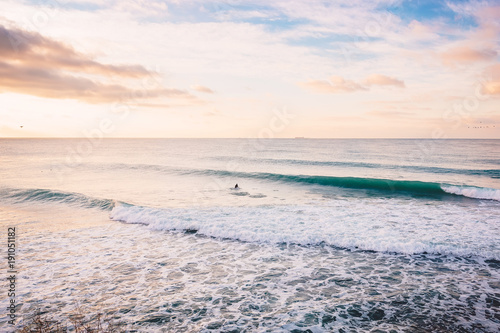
(319, 69)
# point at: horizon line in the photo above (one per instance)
(242, 138)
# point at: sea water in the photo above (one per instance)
(320, 236)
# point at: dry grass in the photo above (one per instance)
(77, 323)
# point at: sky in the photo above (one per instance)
(259, 69)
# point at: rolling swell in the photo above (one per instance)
(493, 173)
(47, 196)
(388, 185)
(395, 186)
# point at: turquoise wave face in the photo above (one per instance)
(393, 186)
(385, 185)
(359, 183)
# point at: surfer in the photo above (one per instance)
(236, 186)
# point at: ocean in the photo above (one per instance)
(331, 235)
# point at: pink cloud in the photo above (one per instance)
(490, 13)
(33, 64)
(337, 84)
(419, 30)
(202, 89)
(382, 80)
(389, 114)
(492, 87)
(489, 20)
(466, 54)
(31, 48)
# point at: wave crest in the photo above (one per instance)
(409, 229)
(46, 196)
(473, 192)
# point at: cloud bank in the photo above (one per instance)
(337, 84)
(466, 55)
(203, 89)
(33, 64)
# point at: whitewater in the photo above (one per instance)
(320, 236)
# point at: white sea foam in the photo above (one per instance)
(152, 281)
(385, 225)
(473, 192)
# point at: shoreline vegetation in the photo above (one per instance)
(76, 322)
